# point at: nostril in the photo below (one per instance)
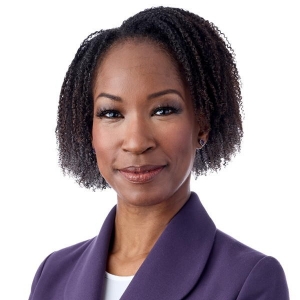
(138, 144)
(149, 148)
(140, 149)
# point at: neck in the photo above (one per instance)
(136, 231)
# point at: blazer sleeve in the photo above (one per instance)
(37, 277)
(266, 281)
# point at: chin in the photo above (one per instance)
(147, 195)
(136, 197)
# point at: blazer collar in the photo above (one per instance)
(171, 269)
(175, 263)
(87, 278)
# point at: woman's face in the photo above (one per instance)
(144, 129)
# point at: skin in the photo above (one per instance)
(135, 125)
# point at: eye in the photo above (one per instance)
(165, 111)
(109, 114)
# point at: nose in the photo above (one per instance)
(138, 136)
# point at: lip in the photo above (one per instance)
(141, 174)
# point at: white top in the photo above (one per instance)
(115, 286)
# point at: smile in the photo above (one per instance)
(142, 174)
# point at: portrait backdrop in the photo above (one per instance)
(254, 199)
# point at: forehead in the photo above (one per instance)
(141, 61)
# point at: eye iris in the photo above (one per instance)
(164, 111)
(110, 114)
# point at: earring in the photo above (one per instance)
(201, 143)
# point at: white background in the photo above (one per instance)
(255, 199)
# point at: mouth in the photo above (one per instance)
(141, 174)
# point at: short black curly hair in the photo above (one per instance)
(206, 62)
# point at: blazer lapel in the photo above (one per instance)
(171, 269)
(87, 279)
(174, 265)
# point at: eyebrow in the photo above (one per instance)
(151, 96)
(161, 93)
(109, 96)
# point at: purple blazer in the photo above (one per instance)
(191, 260)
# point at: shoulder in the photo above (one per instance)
(59, 264)
(238, 255)
(66, 257)
(266, 279)
(230, 248)
(231, 256)
(256, 275)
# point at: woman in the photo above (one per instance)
(141, 107)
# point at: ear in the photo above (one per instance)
(203, 131)
(202, 139)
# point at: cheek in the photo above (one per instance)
(103, 142)
(181, 140)
(96, 137)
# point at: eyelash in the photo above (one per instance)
(102, 113)
(115, 114)
(171, 109)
